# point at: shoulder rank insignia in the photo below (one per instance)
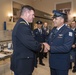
(23, 22)
(70, 34)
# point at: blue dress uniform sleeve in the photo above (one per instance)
(25, 36)
(34, 32)
(64, 45)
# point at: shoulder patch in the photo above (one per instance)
(23, 22)
(70, 34)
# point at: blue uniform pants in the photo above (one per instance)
(59, 72)
(17, 74)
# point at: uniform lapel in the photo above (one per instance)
(38, 31)
(58, 32)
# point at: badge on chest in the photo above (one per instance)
(60, 35)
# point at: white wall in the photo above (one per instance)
(6, 7)
(48, 5)
(43, 5)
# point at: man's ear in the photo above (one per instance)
(62, 20)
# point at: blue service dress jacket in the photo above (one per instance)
(60, 44)
(24, 48)
(40, 37)
(74, 31)
(73, 50)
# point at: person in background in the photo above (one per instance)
(46, 32)
(60, 40)
(73, 49)
(40, 37)
(24, 44)
(45, 28)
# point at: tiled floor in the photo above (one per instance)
(40, 70)
(44, 70)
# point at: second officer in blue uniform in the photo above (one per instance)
(60, 41)
(40, 37)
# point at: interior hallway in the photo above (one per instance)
(44, 70)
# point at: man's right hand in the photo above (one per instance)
(46, 47)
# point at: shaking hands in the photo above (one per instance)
(45, 47)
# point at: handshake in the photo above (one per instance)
(45, 47)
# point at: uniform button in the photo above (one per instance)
(27, 57)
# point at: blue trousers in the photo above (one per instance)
(59, 72)
(17, 74)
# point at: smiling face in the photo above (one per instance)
(73, 24)
(58, 21)
(45, 24)
(29, 16)
(27, 13)
(39, 26)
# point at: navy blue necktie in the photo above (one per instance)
(55, 31)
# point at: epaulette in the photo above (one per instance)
(23, 22)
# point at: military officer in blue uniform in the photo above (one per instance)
(46, 32)
(24, 45)
(40, 37)
(60, 41)
(73, 49)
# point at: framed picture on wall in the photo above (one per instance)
(16, 14)
(64, 7)
(16, 11)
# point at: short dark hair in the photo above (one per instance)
(26, 7)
